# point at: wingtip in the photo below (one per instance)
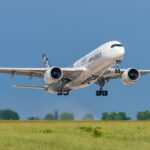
(14, 86)
(43, 55)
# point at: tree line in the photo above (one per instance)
(62, 116)
(8, 114)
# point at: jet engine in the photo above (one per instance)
(130, 76)
(52, 75)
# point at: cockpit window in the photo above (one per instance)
(116, 45)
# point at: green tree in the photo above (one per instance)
(66, 116)
(123, 116)
(105, 116)
(140, 116)
(88, 117)
(33, 118)
(56, 117)
(143, 115)
(115, 116)
(9, 115)
(49, 117)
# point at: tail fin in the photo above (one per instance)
(46, 62)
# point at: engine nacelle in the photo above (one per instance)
(130, 76)
(52, 75)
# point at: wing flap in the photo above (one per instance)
(144, 72)
(35, 72)
(72, 73)
(31, 87)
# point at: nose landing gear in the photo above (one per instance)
(117, 70)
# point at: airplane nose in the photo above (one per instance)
(120, 53)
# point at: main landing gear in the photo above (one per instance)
(61, 92)
(101, 92)
(117, 70)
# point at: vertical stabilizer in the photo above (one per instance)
(46, 62)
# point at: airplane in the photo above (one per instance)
(95, 67)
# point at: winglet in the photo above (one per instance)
(45, 61)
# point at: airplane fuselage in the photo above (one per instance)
(96, 64)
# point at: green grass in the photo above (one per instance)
(74, 135)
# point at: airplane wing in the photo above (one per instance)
(110, 74)
(68, 73)
(34, 72)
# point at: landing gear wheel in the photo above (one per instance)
(104, 93)
(66, 93)
(98, 93)
(59, 92)
(117, 70)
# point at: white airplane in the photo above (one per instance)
(95, 67)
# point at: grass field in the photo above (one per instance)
(62, 135)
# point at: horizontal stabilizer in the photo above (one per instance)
(31, 87)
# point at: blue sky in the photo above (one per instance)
(67, 30)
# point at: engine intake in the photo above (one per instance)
(53, 75)
(130, 76)
(56, 73)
